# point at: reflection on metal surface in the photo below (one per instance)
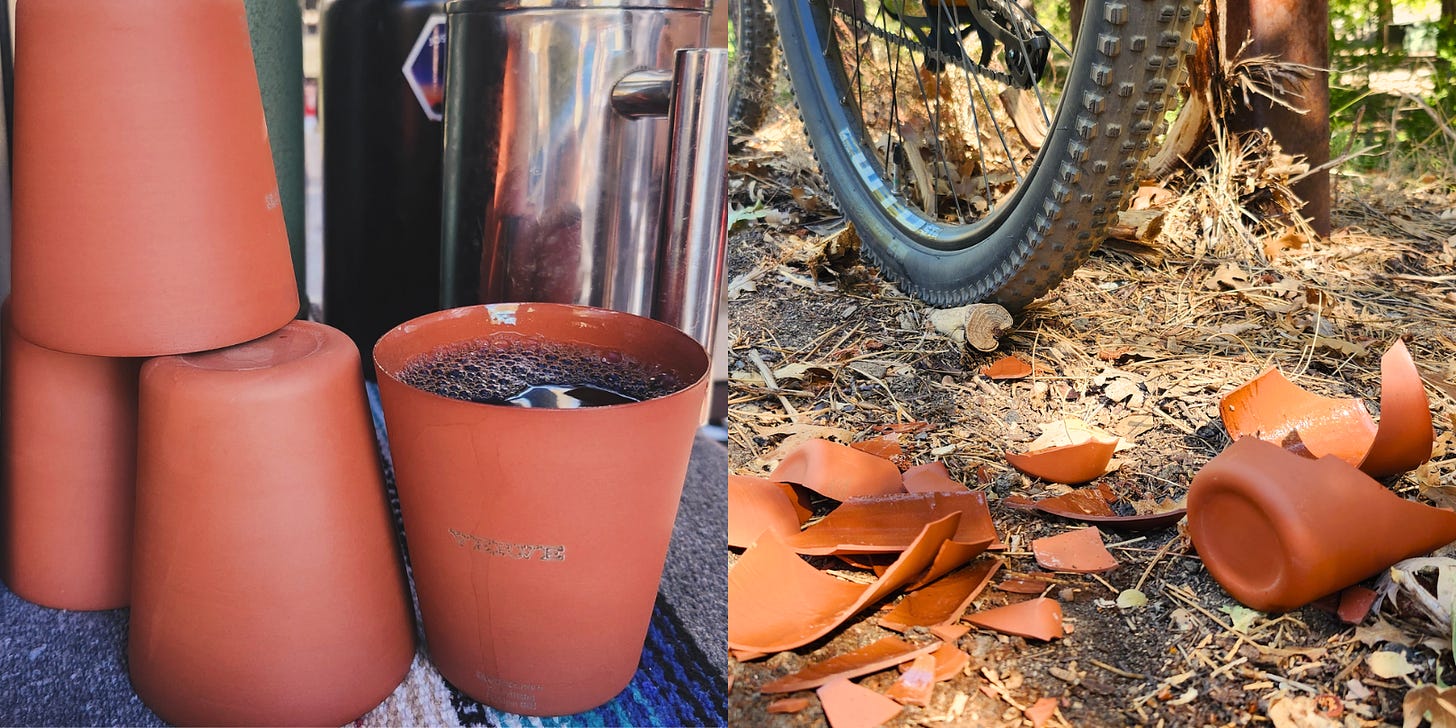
(695, 213)
(550, 194)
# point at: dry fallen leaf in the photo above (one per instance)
(1119, 390)
(1241, 616)
(1300, 711)
(1291, 239)
(803, 371)
(1131, 599)
(1228, 275)
(1427, 702)
(1389, 664)
(1382, 631)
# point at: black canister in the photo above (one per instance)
(380, 104)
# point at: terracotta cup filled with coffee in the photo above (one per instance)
(540, 451)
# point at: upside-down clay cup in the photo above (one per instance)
(267, 587)
(146, 211)
(537, 536)
(69, 455)
(1279, 531)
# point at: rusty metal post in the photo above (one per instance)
(1296, 31)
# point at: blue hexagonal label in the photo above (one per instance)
(424, 69)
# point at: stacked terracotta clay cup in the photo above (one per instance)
(228, 489)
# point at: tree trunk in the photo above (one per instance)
(1295, 31)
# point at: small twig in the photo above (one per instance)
(1172, 591)
(768, 379)
(1156, 558)
(1105, 583)
(1118, 671)
(1227, 667)
(1122, 544)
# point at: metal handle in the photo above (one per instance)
(694, 239)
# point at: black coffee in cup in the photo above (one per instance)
(529, 372)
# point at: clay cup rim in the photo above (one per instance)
(647, 340)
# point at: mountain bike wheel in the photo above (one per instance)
(980, 156)
(751, 82)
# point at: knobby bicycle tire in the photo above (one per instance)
(751, 86)
(1120, 81)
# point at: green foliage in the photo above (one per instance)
(1392, 87)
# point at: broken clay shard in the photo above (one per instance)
(931, 478)
(1039, 618)
(787, 705)
(847, 705)
(1079, 551)
(1069, 464)
(1089, 505)
(756, 505)
(1277, 410)
(884, 446)
(1024, 584)
(949, 632)
(915, 684)
(1041, 711)
(943, 600)
(838, 471)
(1279, 531)
(777, 602)
(949, 662)
(885, 524)
(1355, 604)
(883, 654)
(1007, 367)
(1405, 436)
(1274, 409)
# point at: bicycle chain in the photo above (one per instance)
(909, 44)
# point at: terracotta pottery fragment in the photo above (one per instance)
(949, 662)
(847, 705)
(1090, 505)
(777, 602)
(880, 655)
(1405, 436)
(884, 524)
(747, 655)
(1039, 618)
(931, 478)
(787, 705)
(915, 684)
(1355, 604)
(1274, 409)
(1024, 584)
(884, 446)
(942, 601)
(949, 632)
(1080, 551)
(1041, 711)
(756, 505)
(1279, 531)
(951, 556)
(1069, 464)
(1007, 367)
(838, 471)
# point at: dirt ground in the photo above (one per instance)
(1143, 342)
